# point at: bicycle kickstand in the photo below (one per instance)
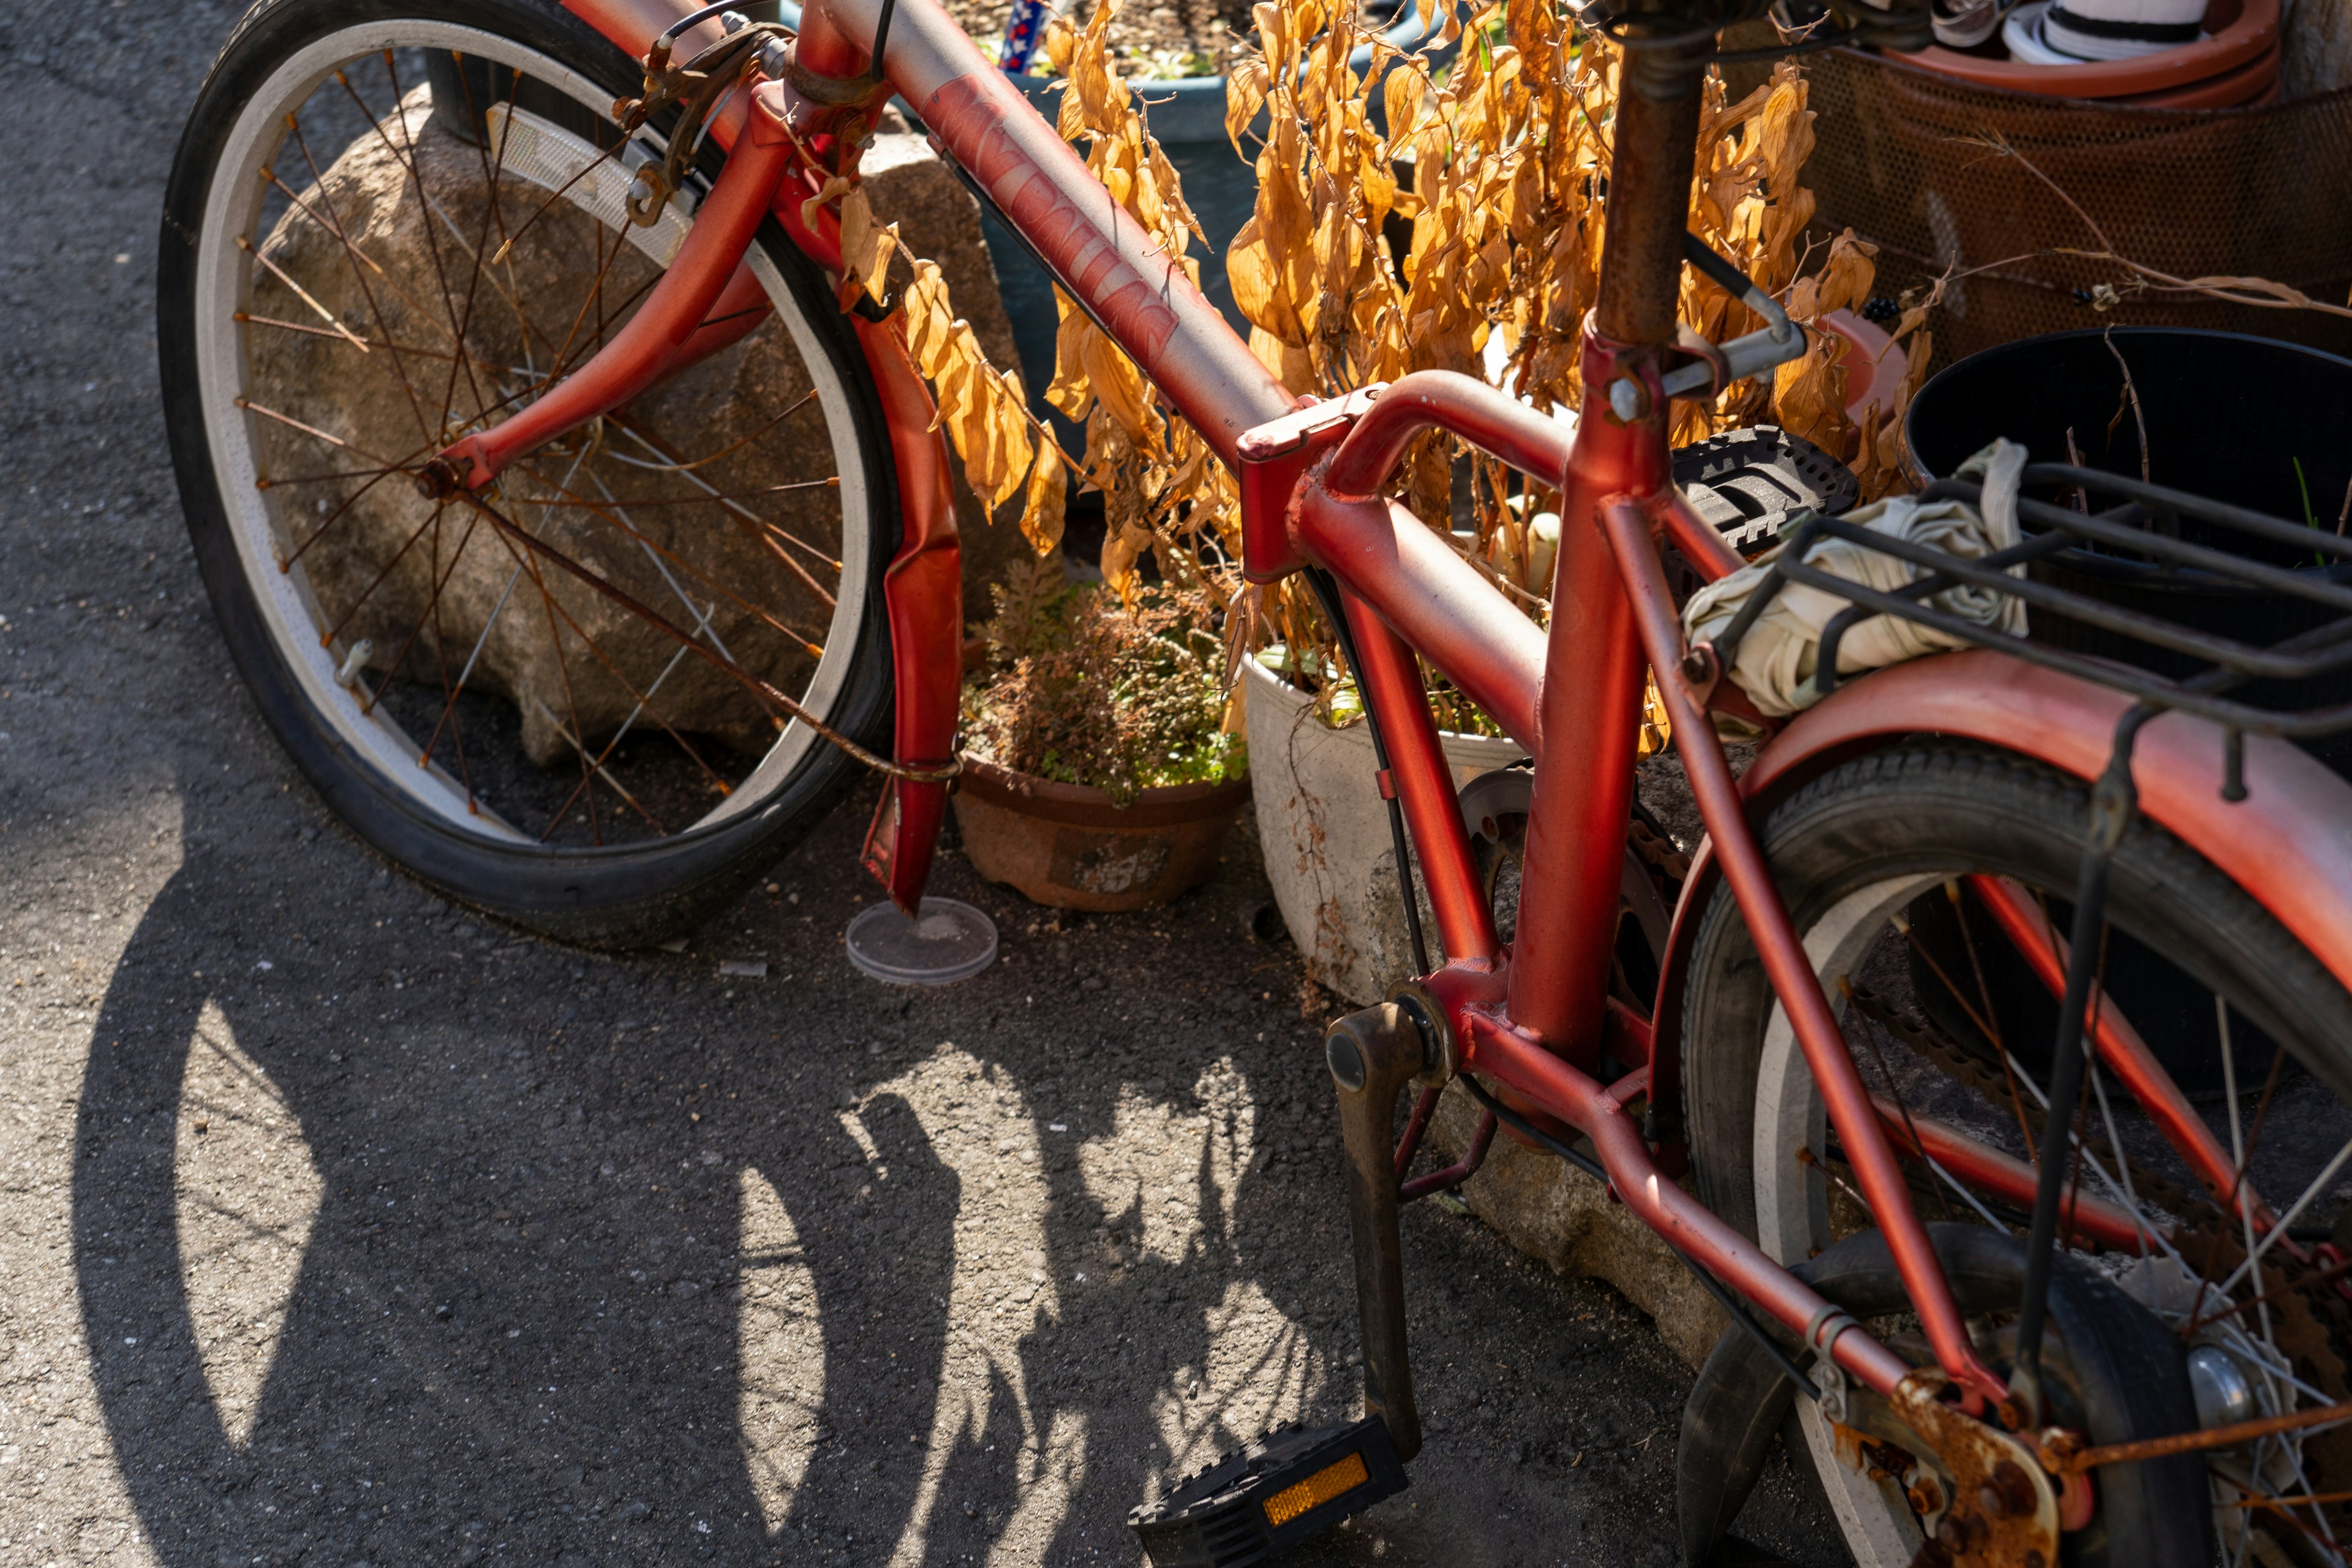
(1295, 1482)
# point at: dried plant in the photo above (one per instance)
(1084, 687)
(1468, 234)
(1497, 166)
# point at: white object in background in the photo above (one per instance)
(2117, 29)
(1324, 832)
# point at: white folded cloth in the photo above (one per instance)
(1776, 658)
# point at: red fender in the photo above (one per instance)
(2288, 842)
(923, 590)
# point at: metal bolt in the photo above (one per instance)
(1698, 664)
(733, 22)
(1627, 400)
(774, 57)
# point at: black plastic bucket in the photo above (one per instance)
(2228, 416)
(2248, 420)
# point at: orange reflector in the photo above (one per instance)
(1317, 1489)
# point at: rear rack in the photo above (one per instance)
(2148, 548)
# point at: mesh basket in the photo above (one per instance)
(2253, 192)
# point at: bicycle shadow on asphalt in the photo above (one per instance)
(372, 1278)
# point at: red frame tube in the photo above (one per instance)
(1791, 973)
(2087, 1219)
(672, 317)
(1492, 1047)
(1407, 590)
(1424, 784)
(2119, 1045)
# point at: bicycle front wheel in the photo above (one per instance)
(390, 224)
(1898, 868)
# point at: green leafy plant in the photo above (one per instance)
(1081, 688)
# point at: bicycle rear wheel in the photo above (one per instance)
(392, 223)
(1893, 867)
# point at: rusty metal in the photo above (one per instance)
(1459, 1172)
(2060, 1454)
(2002, 1509)
(1652, 143)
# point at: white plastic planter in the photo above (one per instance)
(1325, 831)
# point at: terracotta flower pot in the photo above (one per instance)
(1066, 846)
(2237, 33)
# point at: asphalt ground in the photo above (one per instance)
(339, 1225)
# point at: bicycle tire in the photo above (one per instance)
(1858, 843)
(603, 893)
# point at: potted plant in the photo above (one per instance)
(1101, 772)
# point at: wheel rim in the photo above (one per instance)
(422, 715)
(1795, 1219)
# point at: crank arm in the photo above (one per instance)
(1292, 1483)
(1372, 1055)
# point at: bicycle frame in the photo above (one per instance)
(1534, 1020)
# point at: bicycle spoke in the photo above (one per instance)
(328, 638)
(825, 484)
(628, 427)
(353, 257)
(301, 293)
(605, 511)
(433, 605)
(376, 218)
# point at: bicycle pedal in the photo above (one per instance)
(1279, 1490)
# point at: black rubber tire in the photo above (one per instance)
(1929, 805)
(620, 895)
(2112, 1369)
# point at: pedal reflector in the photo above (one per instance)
(1320, 1487)
(1289, 1484)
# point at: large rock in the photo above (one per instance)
(756, 568)
(1552, 1211)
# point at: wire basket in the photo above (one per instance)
(2096, 586)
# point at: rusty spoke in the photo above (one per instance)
(768, 695)
(330, 520)
(326, 638)
(802, 401)
(571, 701)
(331, 474)
(610, 512)
(287, 419)
(699, 501)
(440, 579)
(654, 444)
(353, 256)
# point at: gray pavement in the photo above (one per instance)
(340, 1227)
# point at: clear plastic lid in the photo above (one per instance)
(952, 940)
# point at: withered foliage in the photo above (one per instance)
(1084, 687)
(1479, 214)
(1459, 228)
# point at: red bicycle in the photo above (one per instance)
(2002, 1026)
